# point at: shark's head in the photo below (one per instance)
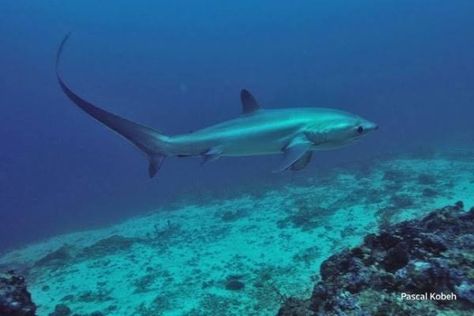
(336, 128)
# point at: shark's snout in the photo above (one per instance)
(368, 126)
(371, 126)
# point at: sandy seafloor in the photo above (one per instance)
(236, 256)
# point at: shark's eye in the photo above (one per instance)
(360, 130)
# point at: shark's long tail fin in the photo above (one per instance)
(152, 143)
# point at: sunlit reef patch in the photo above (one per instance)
(429, 193)
(307, 255)
(427, 179)
(394, 175)
(156, 307)
(246, 253)
(108, 246)
(231, 215)
(306, 217)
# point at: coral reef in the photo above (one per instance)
(15, 300)
(306, 217)
(417, 257)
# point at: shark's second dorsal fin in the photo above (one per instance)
(249, 104)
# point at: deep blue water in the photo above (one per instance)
(179, 66)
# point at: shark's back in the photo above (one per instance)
(272, 119)
(262, 131)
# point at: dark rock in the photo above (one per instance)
(465, 291)
(466, 241)
(234, 283)
(434, 243)
(295, 307)
(15, 300)
(388, 240)
(61, 310)
(396, 258)
(338, 263)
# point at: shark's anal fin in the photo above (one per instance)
(302, 162)
(297, 153)
(211, 155)
(249, 104)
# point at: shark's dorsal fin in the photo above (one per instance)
(249, 104)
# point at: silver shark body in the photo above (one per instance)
(294, 132)
(270, 131)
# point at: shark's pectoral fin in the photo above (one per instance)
(296, 154)
(249, 104)
(211, 155)
(302, 162)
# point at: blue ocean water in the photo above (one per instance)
(179, 66)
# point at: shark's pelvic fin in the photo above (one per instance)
(211, 155)
(249, 104)
(296, 152)
(146, 139)
(155, 164)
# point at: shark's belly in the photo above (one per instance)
(252, 147)
(252, 142)
(233, 144)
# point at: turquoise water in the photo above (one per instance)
(180, 66)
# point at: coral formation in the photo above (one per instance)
(430, 255)
(234, 283)
(61, 310)
(15, 300)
